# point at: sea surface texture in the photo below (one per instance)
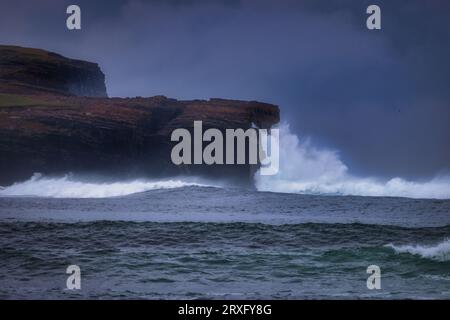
(194, 242)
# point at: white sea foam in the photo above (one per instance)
(303, 169)
(68, 187)
(439, 252)
(306, 169)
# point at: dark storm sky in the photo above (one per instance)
(379, 97)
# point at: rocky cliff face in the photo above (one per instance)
(27, 70)
(54, 132)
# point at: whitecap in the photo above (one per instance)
(68, 187)
(439, 252)
(307, 169)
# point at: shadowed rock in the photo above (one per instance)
(35, 71)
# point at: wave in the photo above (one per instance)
(439, 252)
(309, 170)
(304, 169)
(68, 187)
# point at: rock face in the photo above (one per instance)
(52, 131)
(26, 70)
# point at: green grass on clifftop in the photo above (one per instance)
(17, 100)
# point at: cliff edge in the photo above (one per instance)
(35, 71)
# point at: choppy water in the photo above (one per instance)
(203, 242)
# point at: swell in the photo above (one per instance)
(332, 241)
(207, 260)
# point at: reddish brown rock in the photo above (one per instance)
(56, 133)
(35, 71)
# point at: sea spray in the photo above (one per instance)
(310, 170)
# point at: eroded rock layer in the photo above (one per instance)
(47, 127)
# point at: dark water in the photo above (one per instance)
(197, 242)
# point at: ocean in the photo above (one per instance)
(180, 240)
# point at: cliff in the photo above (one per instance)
(53, 131)
(35, 71)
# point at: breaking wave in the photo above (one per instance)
(306, 169)
(303, 169)
(439, 252)
(68, 187)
